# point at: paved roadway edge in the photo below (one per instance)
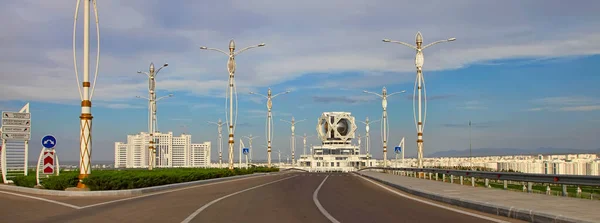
(128, 192)
(486, 207)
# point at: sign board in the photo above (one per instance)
(398, 149)
(48, 162)
(16, 129)
(17, 115)
(245, 151)
(16, 122)
(17, 136)
(49, 141)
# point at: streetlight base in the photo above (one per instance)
(80, 184)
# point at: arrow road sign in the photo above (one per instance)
(16, 122)
(16, 115)
(18, 136)
(48, 162)
(245, 151)
(398, 149)
(49, 142)
(14, 129)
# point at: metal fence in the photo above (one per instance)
(530, 179)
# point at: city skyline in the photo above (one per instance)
(524, 86)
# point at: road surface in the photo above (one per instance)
(285, 197)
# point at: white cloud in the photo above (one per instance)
(37, 63)
(581, 108)
(473, 105)
(567, 104)
(121, 106)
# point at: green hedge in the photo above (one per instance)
(131, 179)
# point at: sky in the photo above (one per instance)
(524, 72)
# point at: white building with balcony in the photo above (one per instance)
(171, 151)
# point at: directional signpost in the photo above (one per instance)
(49, 158)
(16, 126)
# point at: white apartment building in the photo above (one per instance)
(171, 151)
(570, 164)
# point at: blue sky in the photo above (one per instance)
(525, 73)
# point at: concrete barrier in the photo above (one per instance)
(486, 207)
(129, 192)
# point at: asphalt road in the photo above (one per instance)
(288, 197)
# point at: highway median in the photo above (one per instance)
(135, 181)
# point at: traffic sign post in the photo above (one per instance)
(48, 161)
(246, 151)
(16, 126)
(49, 141)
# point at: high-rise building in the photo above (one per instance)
(171, 151)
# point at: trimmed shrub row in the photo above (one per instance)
(132, 179)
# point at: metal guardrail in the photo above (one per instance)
(579, 180)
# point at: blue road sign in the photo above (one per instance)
(245, 151)
(48, 141)
(398, 149)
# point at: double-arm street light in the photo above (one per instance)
(269, 132)
(86, 91)
(250, 138)
(293, 140)
(420, 87)
(367, 135)
(384, 124)
(231, 90)
(219, 125)
(152, 73)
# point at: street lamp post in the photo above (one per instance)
(470, 147)
(250, 138)
(304, 143)
(152, 109)
(231, 89)
(420, 86)
(269, 98)
(293, 140)
(220, 130)
(85, 93)
(153, 125)
(367, 135)
(384, 124)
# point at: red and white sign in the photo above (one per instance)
(48, 162)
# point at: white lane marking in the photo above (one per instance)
(193, 215)
(434, 204)
(319, 206)
(42, 199)
(174, 190)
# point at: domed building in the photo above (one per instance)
(336, 153)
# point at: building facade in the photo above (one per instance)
(171, 151)
(337, 153)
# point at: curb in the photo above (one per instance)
(486, 207)
(128, 192)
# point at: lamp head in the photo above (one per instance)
(203, 48)
(262, 44)
(386, 40)
(151, 67)
(139, 72)
(451, 39)
(170, 95)
(403, 91)
(166, 65)
(231, 45)
(419, 38)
